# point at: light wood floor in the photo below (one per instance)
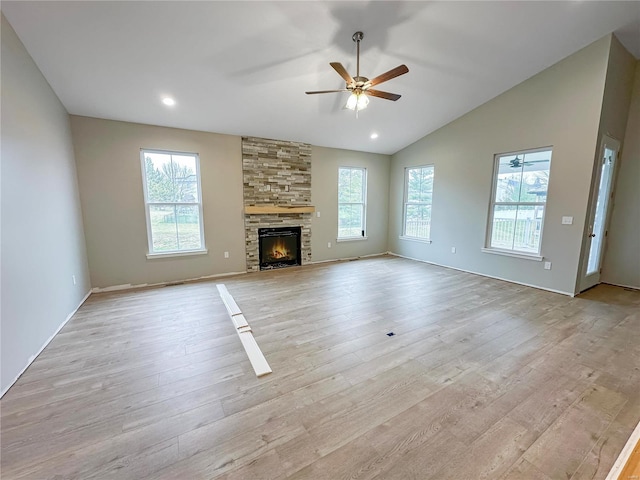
(483, 379)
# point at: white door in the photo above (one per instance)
(599, 214)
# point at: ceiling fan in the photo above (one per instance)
(517, 163)
(360, 87)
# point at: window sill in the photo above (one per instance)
(188, 253)
(506, 253)
(350, 239)
(414, 239)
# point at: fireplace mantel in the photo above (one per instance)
(275, 209)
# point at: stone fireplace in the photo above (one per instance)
(277, 194)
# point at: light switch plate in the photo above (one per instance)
(567, 220)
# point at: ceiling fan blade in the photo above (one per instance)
(327, 91)
(337, 66)
(393, 73)
(385, 95)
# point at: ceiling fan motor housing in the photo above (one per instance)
(359, 84)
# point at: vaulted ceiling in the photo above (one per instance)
(242, 68)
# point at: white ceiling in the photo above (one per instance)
(242, 67)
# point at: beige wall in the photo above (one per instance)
(109, 172)
(613, 122)
(42, 237)
(558, 107)
(622, 256)
(324, 195)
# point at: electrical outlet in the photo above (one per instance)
(226, 254)
(328, 244)
(547, 265)
(73, 279)
(453, 249)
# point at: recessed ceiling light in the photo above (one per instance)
(374, 136)
(168, 101)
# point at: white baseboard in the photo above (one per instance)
(129, 286)
(256, 357)
(485, 275)
(33, 357)
(348, 258)
(632, 287)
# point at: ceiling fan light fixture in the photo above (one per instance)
(352, 102)
(363, 101)
(357, 101)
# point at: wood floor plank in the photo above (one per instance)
(482, 379)
(266, 467)
(562, 448)
(384, 447)
(604, 453)
(492, 454)
(81, 456)
(523, 470)
(425, 461)
(548, 399)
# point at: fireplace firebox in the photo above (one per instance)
(279, 247)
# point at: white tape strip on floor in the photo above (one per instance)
(258, 362)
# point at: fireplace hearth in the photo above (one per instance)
(279, 247)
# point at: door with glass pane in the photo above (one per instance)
(599, 214)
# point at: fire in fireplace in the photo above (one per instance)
(279, 247)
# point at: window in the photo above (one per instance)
(518, 201)
(352, 187)
(172, 196)
(418, 194)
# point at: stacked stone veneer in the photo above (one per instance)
(276, 172)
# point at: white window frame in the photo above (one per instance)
(180, 252)
(407, 203)
(537, 256)
(363, 235)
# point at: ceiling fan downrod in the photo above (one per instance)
(357, 37)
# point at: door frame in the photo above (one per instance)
(586, 281)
